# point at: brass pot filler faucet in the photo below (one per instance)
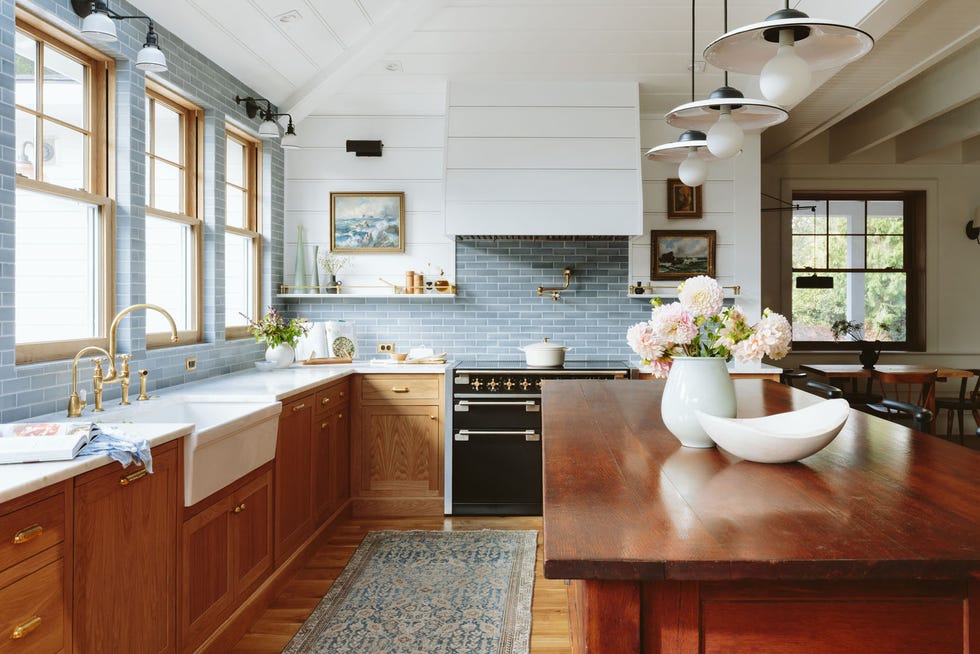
(100, 378)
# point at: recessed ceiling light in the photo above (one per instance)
(393, 66)
(290, 16)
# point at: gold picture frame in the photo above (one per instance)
(683, 201)
(367, 222)
(679, 254)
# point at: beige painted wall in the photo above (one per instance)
(952, 261)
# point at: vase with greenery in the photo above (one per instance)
(280, 335)
(856, 331)
(331, 264)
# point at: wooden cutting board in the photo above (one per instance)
(322, 362)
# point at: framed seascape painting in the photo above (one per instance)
(679, 254)
(683, 201)
(367, 222)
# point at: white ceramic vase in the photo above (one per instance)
(696, 383)
(280, 355)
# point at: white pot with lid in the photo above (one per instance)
(544, 354)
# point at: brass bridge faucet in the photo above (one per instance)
(100, 377)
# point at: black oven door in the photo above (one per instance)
(496, 471)
(497, 414)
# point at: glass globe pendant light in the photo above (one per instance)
(726, 115)
(690, 150)
(785, 48)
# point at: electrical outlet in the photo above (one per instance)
(386, 347)
(190, 363)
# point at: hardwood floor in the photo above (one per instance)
(271, 632)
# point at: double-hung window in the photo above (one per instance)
(868, 249)
(173, 215)
(242, 238)
(64, 215)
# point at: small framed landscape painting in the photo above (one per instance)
(679, 254)
(683, 201)
(367, 222)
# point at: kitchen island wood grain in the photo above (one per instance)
(871, 545)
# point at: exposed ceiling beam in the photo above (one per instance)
(971, 150)
(945, 86)
(931, 33)
(401, 21)
(948, 129)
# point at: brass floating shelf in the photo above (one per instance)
(670, 290)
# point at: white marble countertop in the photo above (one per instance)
(18, 479)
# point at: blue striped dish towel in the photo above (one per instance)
(103, 439)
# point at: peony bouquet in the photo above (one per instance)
(276, 330)
(699, 325)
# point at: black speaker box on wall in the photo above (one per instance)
(365, 148)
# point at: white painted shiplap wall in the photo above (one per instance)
(409, 118)
(543, 158)
(731, 204)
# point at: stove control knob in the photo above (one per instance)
(537, 382)
(493, 384)
(476, 384)
(525, 384)
(509, 383)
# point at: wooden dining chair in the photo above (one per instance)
(904, 396)
(960, 405)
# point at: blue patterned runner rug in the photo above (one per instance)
(428, 592)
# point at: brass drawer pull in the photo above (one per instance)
(299, 407)
(433, 418)
(324, 425)
(340, 416)
(22, 630)
(130, 478)
(325, 400)
(341, 393)
(238, 509)
(30, 533)
(399, 389)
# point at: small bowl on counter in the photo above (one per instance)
(398, 357)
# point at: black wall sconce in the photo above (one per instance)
(269, 129)
(97, 25)
(365, 148)
(972, 232)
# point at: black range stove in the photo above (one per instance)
(495, 462)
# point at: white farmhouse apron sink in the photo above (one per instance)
(230, 439)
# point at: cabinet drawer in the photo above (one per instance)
(31, 529)
(399, 387)
(328, 399)
(32, 612)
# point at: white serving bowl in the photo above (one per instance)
(779, 438)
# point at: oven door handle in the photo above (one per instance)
(530, 406)
(464, 434)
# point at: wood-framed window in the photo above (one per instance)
(243, 238)
(174, 226)
(64, 234)
(872, 245)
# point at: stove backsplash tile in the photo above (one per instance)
(497, 308)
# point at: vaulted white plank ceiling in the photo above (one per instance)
(300, 53)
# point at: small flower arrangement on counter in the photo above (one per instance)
(276, 330)
(699, 325)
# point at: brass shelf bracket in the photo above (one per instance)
(556, 290)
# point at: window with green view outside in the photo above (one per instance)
(869, 245)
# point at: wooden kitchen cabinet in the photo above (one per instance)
(226, 551)
(35, 579)
(397, 458)
(330, 457)
(293, 497)
(125, 549)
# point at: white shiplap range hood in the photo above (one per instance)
(539, 159)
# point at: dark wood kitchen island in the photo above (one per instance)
(871, 545)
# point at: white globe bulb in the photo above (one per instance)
(725, 137)
(693, 170)
(785, 79)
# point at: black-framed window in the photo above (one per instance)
(872, 246)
